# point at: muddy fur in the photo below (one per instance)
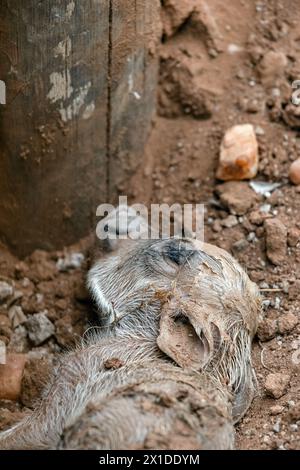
(178, 317)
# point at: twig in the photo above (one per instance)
(262, 357)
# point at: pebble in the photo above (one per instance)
(6, 290)
(293, 237)
(276, 410)
(276, 240)
(16, 316)
(238, 154)
(230, 221)
(39, 328)
(240, 245)
(251, 237)
(259, 131)
(265, 208)
(276, 427)
(276, 384)
(294, 172)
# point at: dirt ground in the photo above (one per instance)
(230, 64)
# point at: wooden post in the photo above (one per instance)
(80, 79)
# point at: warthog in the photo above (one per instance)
(169, 367)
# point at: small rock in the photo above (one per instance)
(287, 323)
(39, 328)
(276, 427)
(239, 154)
(240, 245)
(216, 226)
(293, 237)
(259, 131)
(6, 290)
(276, 240)
(113, 363)
(70, 261)
(272, 67)
(277, 303)
(265, 208)
(276, 410)
(277, 384)
(16, 316)
(237, 196)
(294, 172)
(11, 377)
(267, 329)
(251, 237)
(230, 221)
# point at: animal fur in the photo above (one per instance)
(169, 366)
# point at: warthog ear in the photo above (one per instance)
(181, 341)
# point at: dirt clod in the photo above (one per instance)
(236, 196)
(277, 384)
(272, 68)
(276, 240)
(287, 323)
(113, 363)
(267, 329)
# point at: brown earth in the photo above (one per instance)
(228, 64)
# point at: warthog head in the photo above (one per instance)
(192, 298)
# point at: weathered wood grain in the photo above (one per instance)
(73, 128)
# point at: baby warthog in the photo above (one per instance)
(170, 365)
